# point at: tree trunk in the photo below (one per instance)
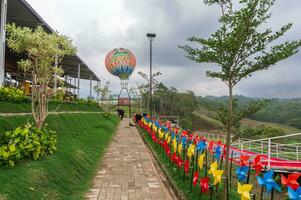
(229, 130)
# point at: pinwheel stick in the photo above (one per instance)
(221, 164)
(192, 160)
(206, 162)
(249, 171)
(262, 187)
(196, 160)
(200, 193)
(211, 191)
(272, 194)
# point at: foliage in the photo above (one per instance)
(107, 115)
(44, 51)
(238, 113)
(11, 94)
(82, 101)
(103, 91)
(28, 142)
(59, 96)
(261, 132)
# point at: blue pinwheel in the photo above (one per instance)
(165, 128)
(268, 181)
(294, 195)
(218, 152)
(241, 173)
(172, 135)
(201, 146)
(184, 139)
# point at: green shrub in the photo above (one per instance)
(26, 142)
(11, 94)
(59, 96)
(107, 115)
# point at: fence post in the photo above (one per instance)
(249, 145)
(261, 147)
(297, 151)
(269, 155)
(277, 150)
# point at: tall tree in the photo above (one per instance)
(241, 47)
(44, 51)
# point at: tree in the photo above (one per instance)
(44, 51)
(240, 48)
(102, 91)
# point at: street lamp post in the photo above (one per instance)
(151, 37)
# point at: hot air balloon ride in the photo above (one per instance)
(121, 62)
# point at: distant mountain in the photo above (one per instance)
(285, 111)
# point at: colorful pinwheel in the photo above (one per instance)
(268, 182)
(210, 146)
(213, 168)
(204, 184)
(201, 161)
(241, 173)
(217, 176)
(186, 167)
(184, 140)
(201, 145)
(174, 145)
(257, 165)
(190, 151)
(195, 178)
(294, 194)
(244, 160)
(244, 191)
(291, 180)
(180, 147)
(218, 152)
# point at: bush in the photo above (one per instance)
(107, 115)
(26, 143)
(11, 94)
(59, 96)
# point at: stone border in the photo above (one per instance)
(169, 183)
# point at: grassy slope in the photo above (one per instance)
(7, 107)
(67, 174)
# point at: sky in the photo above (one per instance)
(98, 26)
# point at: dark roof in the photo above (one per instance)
(22, 14)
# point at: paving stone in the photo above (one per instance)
(127, 171)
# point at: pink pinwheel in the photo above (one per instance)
(257, 165)
(291, 180)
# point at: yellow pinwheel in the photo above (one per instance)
(201, 161)
(174, 145)
(180, 147)
(217, 176)
(168, 139)
(161, 134)
(213, 167)
(244, 191)
(190, 151)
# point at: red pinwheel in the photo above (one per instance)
(179, 162)
(174, 158)
(257, 165)
(210, 146)
(204, 184)
(244, 160)
(219, 143)
(186, 167)
(291, 180)
(195, 178)
(225, 150)
(167, 150)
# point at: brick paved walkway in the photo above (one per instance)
(127, 170)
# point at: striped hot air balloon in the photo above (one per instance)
(121, 62)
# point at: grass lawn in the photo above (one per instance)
(25, 107)
(68, 173)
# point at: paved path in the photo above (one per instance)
(127, 170)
